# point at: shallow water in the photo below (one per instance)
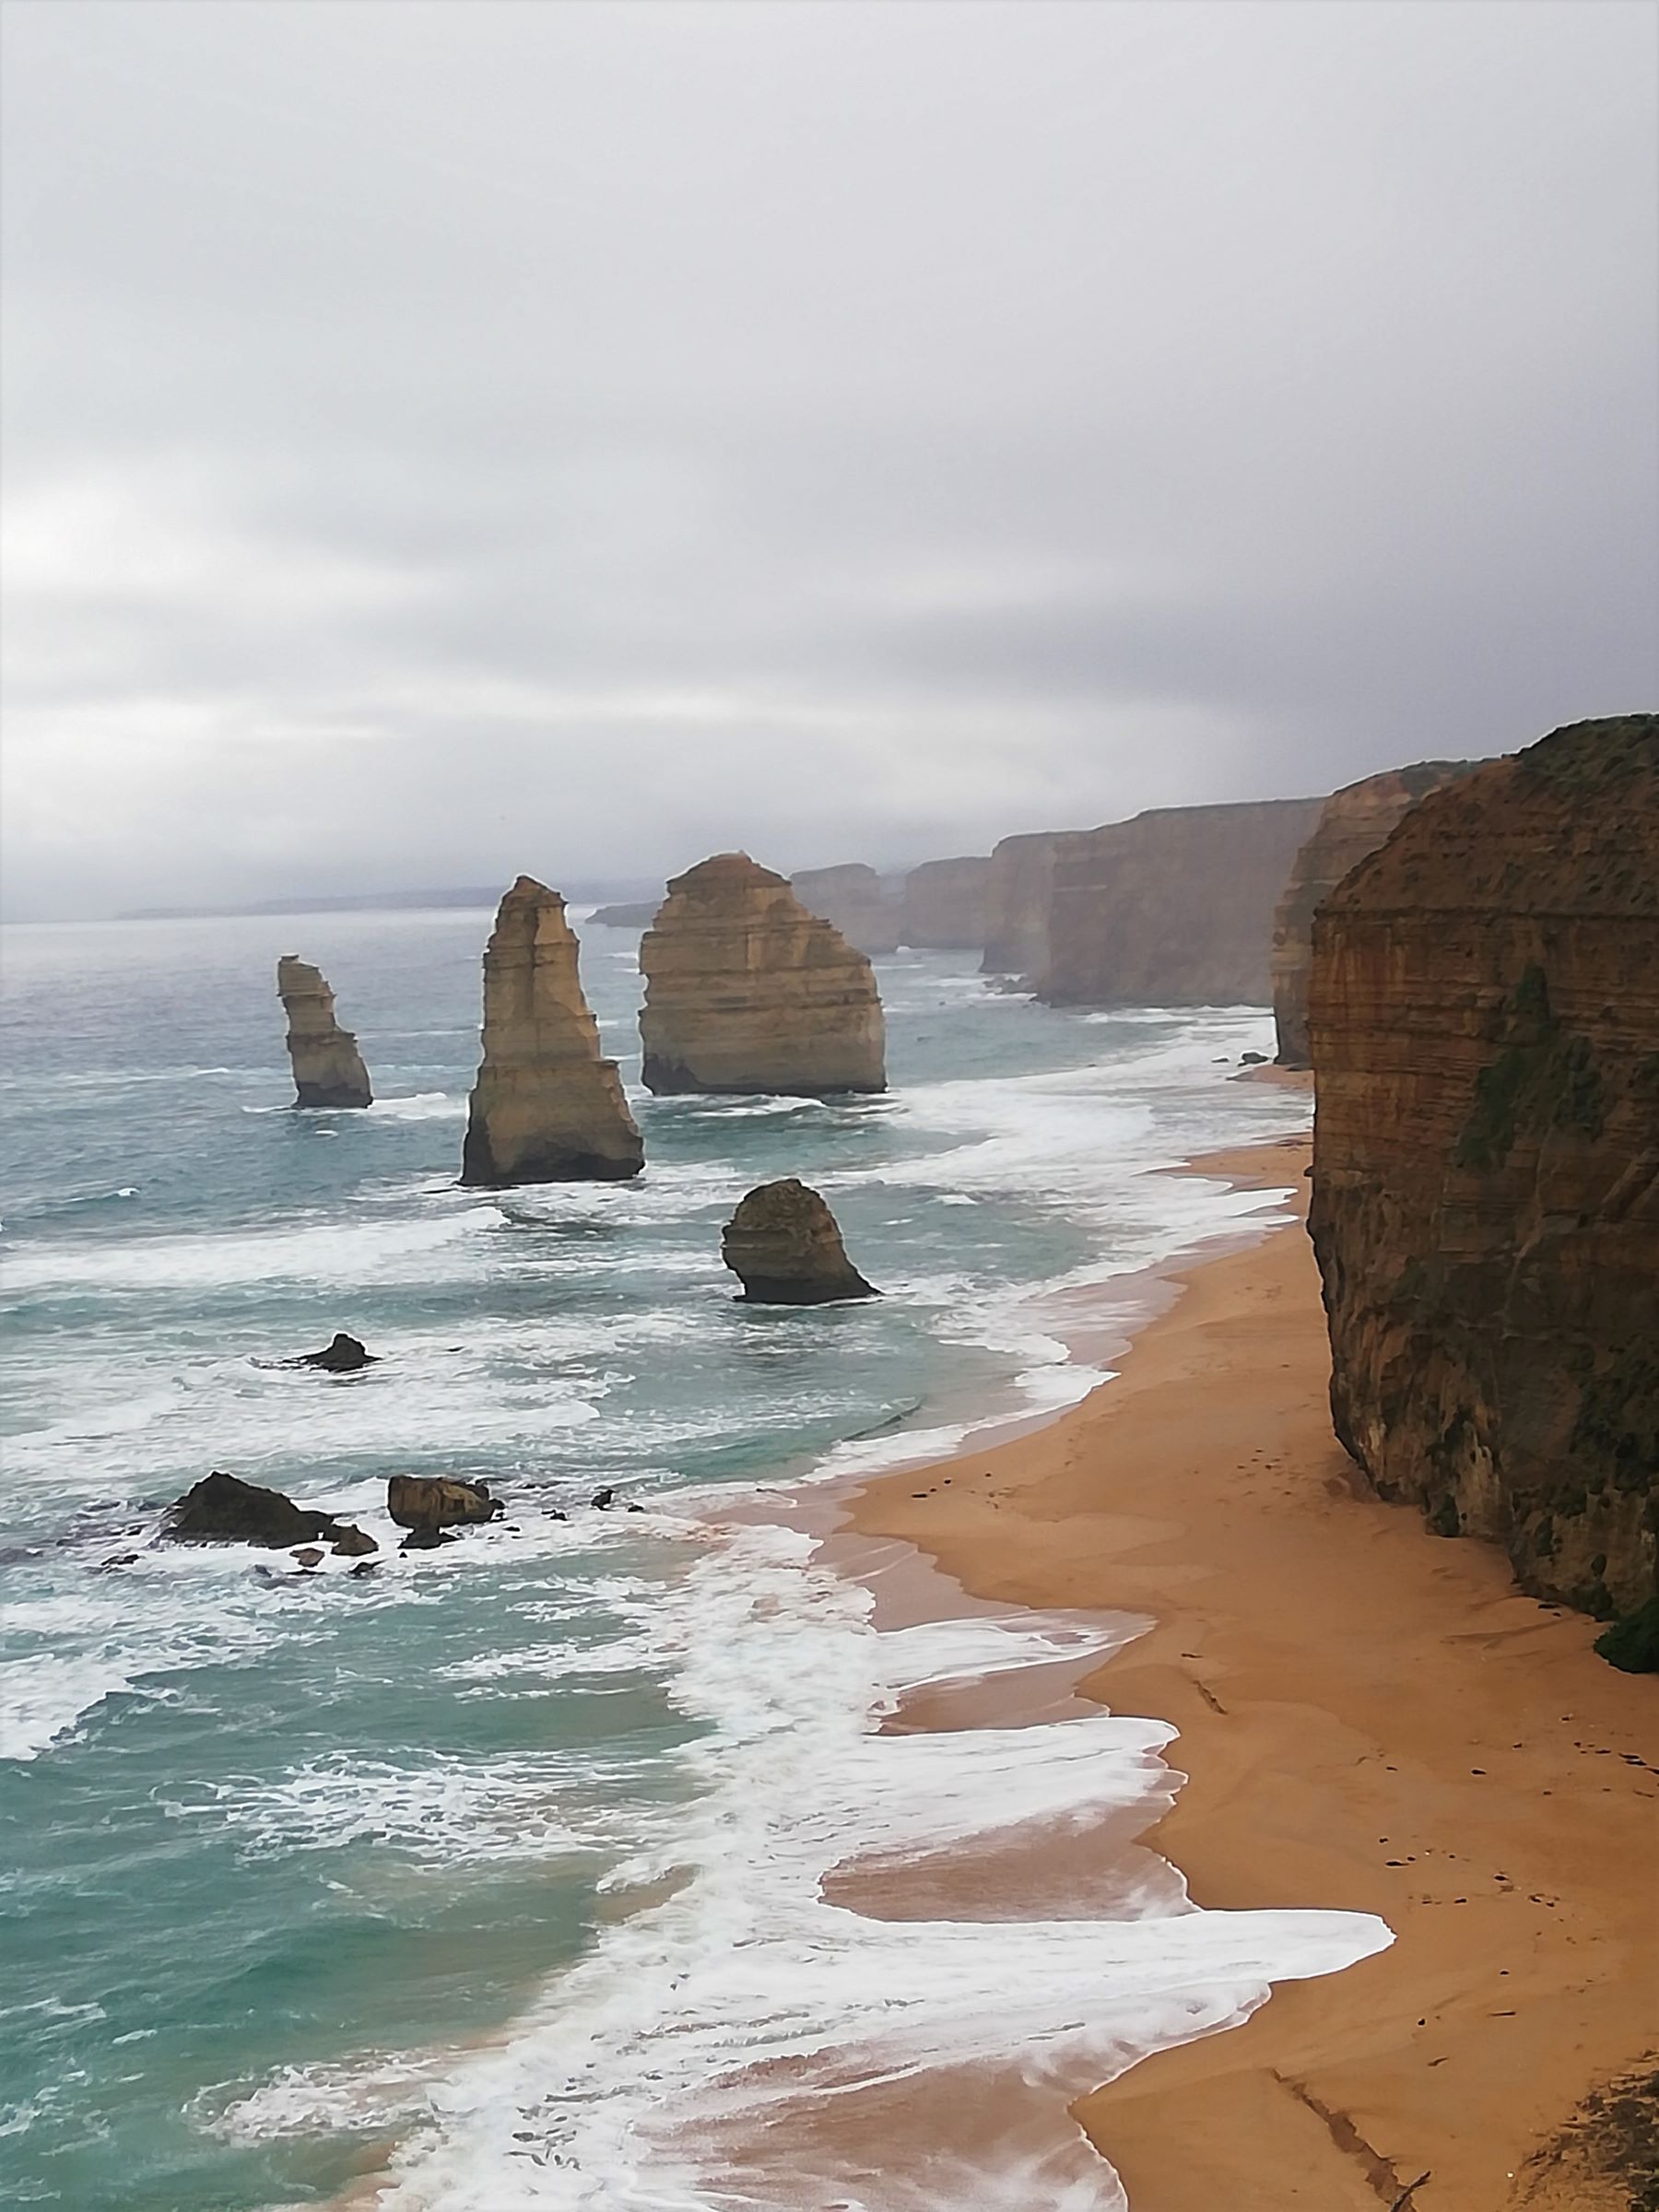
(282, 1843)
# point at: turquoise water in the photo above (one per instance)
(280, 1841)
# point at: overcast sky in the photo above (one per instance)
(447, 438)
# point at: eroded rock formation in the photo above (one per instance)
(747, 992)
(1173, 908)
(784, 1245)
(546, 1107)
(328, 1068)
(427, 1502)
(342, 1355)
(945, 905)
(1018, 894)
(1354, 822)
(1484, 1019)
(222, 1509)
(853, 899)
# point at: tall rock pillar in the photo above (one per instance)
(328, 1068)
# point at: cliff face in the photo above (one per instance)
(853, 899)
(546, 1108)
(1019, 892)
(1355, 821)
(328, 1068)
(746, 991)
(1174, 907)
(945, 905)
(1484, 1015)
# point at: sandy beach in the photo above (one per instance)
(1372, 1719)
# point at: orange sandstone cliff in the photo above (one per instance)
(1173, 908)
(746, 991)
(1019, 892)
(1483, 1021)
(1354, 822)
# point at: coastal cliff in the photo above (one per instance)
(546, 1107)
(1355, 821)
(328, 1068)
(945, 905)
(748, 991)
(1173, 908)
(1483, 1021)
(853, 899)
(1019, 891)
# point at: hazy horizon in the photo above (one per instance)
(447, 441)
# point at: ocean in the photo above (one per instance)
(499, 1862)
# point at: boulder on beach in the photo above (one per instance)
(328, 1068)
(784, 1245)
(343, 1355)
(430, 1504)
(222, 1509)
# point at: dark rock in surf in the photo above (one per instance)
(431, 1503)
(343, 1355)
(784, 1247)
(222, 1509)
(309, 1558)
(353, 1543)
(424, 1540)
(605, 1500)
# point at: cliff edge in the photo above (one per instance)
(1483, 1023)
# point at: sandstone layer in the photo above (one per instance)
(748, 991)
(785, 1247)
(1355, 821)
(854, 899)
(945, 905)
(547, 1106)
(1018, 894)
(1484, 1015)
(1173, 908)
(434, 1502)
(328, 1068)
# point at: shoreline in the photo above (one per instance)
(1371, 1719)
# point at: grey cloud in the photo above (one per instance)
(856, 431)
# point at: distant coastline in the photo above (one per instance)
(361, 902)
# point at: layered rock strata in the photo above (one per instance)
(1018, 893)
(854, 899)
(547, 1106)
(747, 992)
(945, 905)
(1173, 908)
(1354, 822)
(785, 1248)
(1483, 1021)
(328, 1068)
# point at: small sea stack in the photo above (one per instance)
(426, 1502)
(223, 1508)
(784, 1246)
(747, 993)
(547, 1106)
(328, 1068)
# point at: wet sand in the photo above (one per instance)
(1372, 1719)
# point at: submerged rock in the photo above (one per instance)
(343, 1355)
(1483, 1021)
(328, 1068)
(546, 1107)
(784, 1245)
(747, 992)
(425, 1502)
(222, 1509)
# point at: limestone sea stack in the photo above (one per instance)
(1173, 908)
(784, 1247)
(328, 1068)
(546, 1107)
(852, 899)
(1484, 1019)
(1354, 822)
(945, 905)
(747, 992)
(1019, 892)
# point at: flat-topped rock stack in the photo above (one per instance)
(328, 1068)
(747, 992)
(1484, 1019)
(1354, 823)
(546, 1107)
(853, 898)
